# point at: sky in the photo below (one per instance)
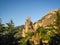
(19, 10)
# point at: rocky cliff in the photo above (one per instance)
(50, 21)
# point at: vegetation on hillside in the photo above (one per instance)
(12, 35)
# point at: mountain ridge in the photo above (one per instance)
(49, 25)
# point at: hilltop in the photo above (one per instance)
(43, 29)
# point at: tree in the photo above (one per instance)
(58, 21)
(1, 25)
(10, 26)
(45, 34)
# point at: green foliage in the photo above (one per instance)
(57, 22)
(30, 42)
(45, 34)
(30, 33)
(41, 31)
(11, 35)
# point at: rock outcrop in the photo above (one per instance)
(50, 19)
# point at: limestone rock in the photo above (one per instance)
(47, 21)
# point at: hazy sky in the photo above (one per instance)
(18, 10)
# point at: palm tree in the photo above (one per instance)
(1, 25)
(10, 26)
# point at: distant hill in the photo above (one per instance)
(20, 27)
